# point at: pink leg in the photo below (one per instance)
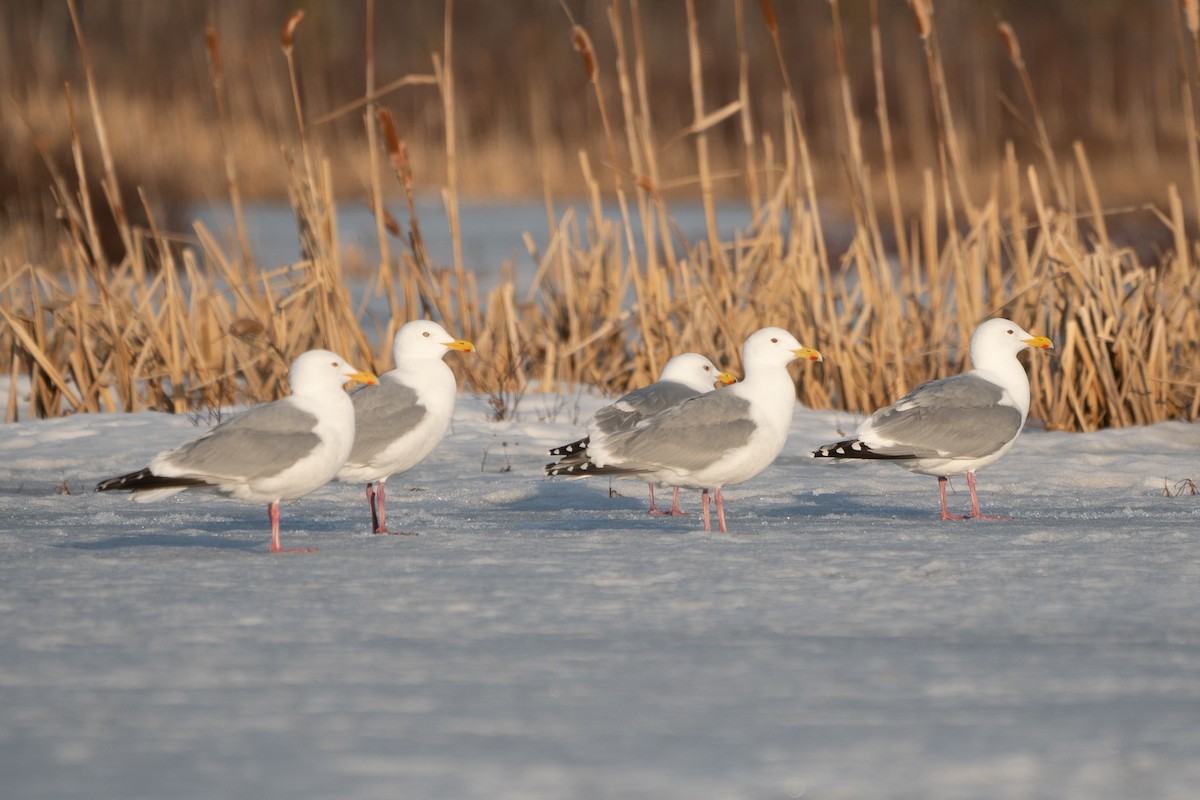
(653, 508)
(705, 498)
(371, 504)
(273, 511)
(721, 511)
(942, 480)
(378, 509)
(379, 500)
(676, 511)
(975, 512)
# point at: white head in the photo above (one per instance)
(424, 339)
(695, 372)
(319, 371)
(1000, 340)
(775, 346)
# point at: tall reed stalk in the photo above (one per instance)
(179, 329)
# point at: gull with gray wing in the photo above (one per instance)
(272, 452)
(682, 377)
(400, 420)
(955, 425)
(711, 440)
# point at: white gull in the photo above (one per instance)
(711, 440)
(682, 377)
(958, 424)
(400, 420)
(272, 452)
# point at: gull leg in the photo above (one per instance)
(379, 523)
(382, 526)
(975, 512)
(942, 480)
(721, 511)
(273, 512)
(653, 508)
(676, 511)
(371, 503)
(705, 497)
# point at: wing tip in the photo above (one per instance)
(850, 448)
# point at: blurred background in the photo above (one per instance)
(1107, 72)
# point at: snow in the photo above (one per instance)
(541, 639)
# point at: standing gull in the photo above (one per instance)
(401, 419)
(711, 440)
(682, 377)
(272, 452)
(958, 424)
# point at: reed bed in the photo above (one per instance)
(180, 329)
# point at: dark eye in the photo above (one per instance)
(335, 365)
(426, 334)
(1010, 333)
(708, 369)
(774, 341)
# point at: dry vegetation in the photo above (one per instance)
(936, 247)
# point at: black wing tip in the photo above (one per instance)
(144, 479)
(127, 481)
(572, 449)
(570, 468)
(853, 448)
(579, 468)
(848, 448)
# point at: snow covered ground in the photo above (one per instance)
(541, 639)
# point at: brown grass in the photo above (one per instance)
(940, 248)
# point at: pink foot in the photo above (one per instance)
(273, 513)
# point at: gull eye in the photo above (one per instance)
(426, 334)
(708, 369)
(335, 365)
(774, 341)
(1010, 331)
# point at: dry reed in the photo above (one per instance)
(179, 329)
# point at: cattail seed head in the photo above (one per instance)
(923, 11)
(1010, 41)
(246, 327)
(289, 30)
(583, 43)
(768, 12)
(397, 152)
(212, 45)
(392, 225)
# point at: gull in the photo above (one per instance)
(400, 420)
(683, 376)
(273, 452)
(711, 440)
(958, 424)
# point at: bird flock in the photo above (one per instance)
(696, 427)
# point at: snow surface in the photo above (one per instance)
(541, 639)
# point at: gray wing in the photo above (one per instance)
(639, 404)
(960, 417)
(382, 414)
(690, 435)
(259, 443)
